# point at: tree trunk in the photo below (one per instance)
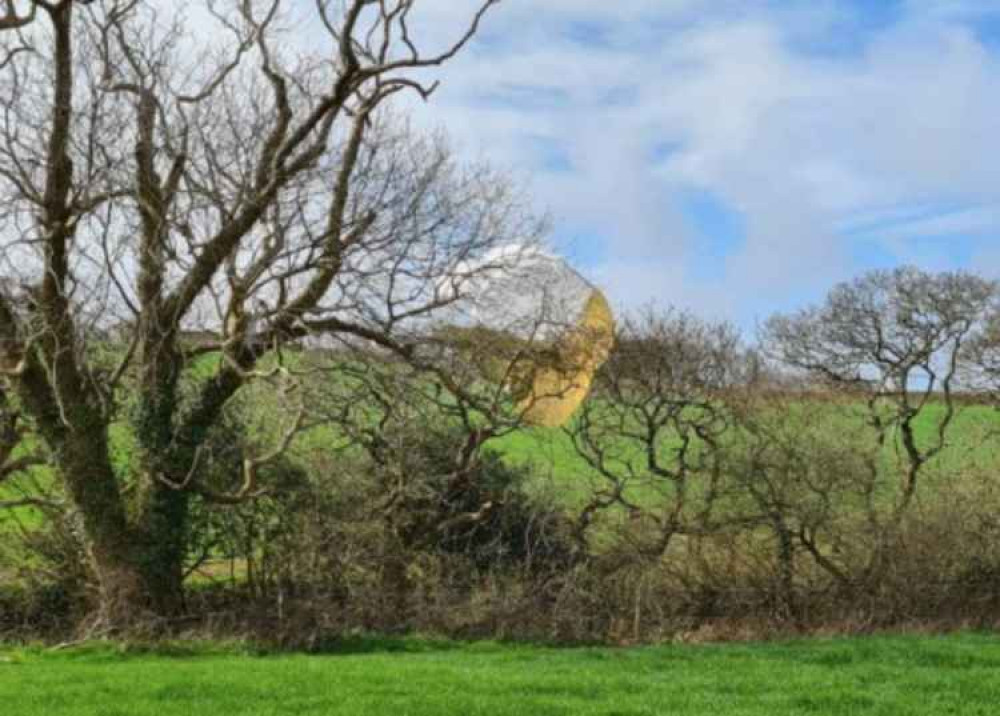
(135, 593)
(161, 510)
(110, 541)
(164, 547)
(786, 567)
(138, 565)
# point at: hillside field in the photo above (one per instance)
(557, 468)
(972, 442)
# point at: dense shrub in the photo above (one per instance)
(484, 511)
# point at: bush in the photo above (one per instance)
(484, 511)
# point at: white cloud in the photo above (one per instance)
(946, 223)
(614, 109)
(800, 143)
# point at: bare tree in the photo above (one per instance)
(801, 466)
(981, 374)
(894, 345)
(155, 185)
(652, 428)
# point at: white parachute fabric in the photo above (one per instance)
(559, 317)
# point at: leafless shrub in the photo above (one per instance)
(653, 426)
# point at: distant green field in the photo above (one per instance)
(972, 441)
(888, 676)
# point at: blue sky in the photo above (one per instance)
(739, 157)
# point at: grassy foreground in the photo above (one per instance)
(884, 675)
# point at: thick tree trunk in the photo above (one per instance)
(164, 548)
(137, 563)
(110, 541)
(161, 511)
(76, 434)
(134, 592)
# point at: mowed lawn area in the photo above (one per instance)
(876, 675)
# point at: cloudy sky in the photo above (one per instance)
(739, 156)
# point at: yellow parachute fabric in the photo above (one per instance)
(558, 387)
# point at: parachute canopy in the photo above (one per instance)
(562, 323)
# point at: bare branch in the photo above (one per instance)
(12, 20)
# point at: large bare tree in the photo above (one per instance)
(175, 199)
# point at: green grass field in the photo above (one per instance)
(883, 675)
(556, 466)
(971, 444)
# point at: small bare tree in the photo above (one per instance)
(652, 428)
(893, 346)
(155, 184)
(897, 341)
(981, 375)
(801, 468)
